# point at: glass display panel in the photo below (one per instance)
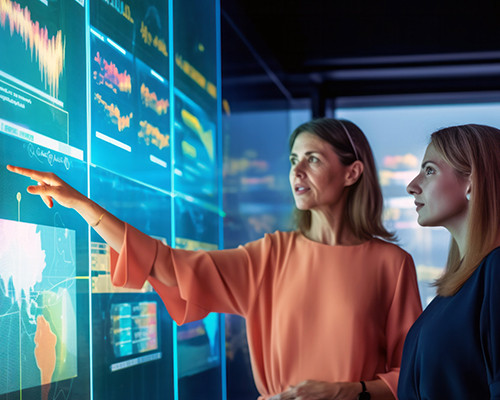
(130, 114)
(43, 281)
(45, 44)
(195, 151)
(198, 342)
(195, 52)
(85, 93)
(132, 332)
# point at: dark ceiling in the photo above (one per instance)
(285, 51)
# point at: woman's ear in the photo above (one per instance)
(354, 171)
(467, 192)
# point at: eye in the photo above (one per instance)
(293, 160)
(313, 159)
(429, 170)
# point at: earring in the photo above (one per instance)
(467, 195)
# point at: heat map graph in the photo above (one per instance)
(47, 50)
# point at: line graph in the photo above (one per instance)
(47, 50)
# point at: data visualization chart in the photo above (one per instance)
(42, 57)
(37, 306)
(25, 36)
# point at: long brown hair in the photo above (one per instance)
(364, 200)
(472, 150)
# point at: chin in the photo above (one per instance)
(424, 222)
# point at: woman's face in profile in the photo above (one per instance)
(317, 177)
(440, 192)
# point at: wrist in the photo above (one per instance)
(89, 210)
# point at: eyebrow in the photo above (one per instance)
(307, 153)
(428, 162)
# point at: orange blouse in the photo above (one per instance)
(313, 311)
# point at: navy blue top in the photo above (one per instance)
(452, 351)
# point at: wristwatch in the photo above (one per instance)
(364, 395)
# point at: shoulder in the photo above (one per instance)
(491, 263)
(493, 257)
(389, 250)
(277, 239)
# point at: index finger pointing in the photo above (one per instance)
(30, 173)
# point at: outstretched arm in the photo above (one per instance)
(52, 188)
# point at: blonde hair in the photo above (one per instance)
(472, 150)
(364, 200)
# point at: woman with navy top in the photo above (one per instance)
(453, 349)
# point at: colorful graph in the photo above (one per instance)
(196, 75)
(37, 306)
(150, 100)
(113, 112)
(155, 42)
(110, 76)
(206, 137)
(151, 135)
(49, 51)
(134, 328)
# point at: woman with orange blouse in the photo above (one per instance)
(327, 306)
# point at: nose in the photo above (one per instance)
(413, 187)
(297, 169)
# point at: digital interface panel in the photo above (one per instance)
(38, 305)
(35, 100)
(130, 115)
(195, 52)
(134, 328)
(86, 93)
(195, 151)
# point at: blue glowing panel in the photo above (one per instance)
(195, 54)
(130, 115)
(37, 305)
(195, 226)
(42, 64)
(195, 167)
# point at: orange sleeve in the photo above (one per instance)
(219, 281)
(404, 310)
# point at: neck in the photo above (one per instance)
(459, 234)
(330, 228)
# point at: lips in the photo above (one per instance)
(300, 189)
(419, 205)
